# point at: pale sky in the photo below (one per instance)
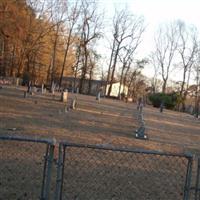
(155, 12)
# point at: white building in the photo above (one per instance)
(115, 89)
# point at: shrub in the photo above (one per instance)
(169, 100)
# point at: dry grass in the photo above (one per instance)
(108, 122)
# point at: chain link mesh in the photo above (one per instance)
(21, 170)
(106, 174)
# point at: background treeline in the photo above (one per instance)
(46, 40)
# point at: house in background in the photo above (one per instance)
(92, 87)
(115, 89)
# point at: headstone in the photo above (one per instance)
(42, 88)
(73, 104)
(17, 82)
(34, 89)
(64, 96)
(53, 88)
(77, 90)
(161, 106)
(98, 97)
(140, 132)
(25, 94)
(191, 109)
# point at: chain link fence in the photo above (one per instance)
(84, 172)
(25, 168)
(98, 172)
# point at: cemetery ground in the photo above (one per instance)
(106, 122)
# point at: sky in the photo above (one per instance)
(155, 12)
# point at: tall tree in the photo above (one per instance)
(154, 80)
(91, 27)
(166, 41)
(196, 70)
(187, 50)
(126, 28)
(70, 22)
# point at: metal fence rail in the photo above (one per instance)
(99, 172)
(25, 167)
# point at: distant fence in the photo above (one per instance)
(93, 172)
(25, 168)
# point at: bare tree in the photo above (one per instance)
(187, 49)
(92, 65)
(126, 28)
(133, 77)
(71, 20)
(58, 11)
(166, 41)
(91, 26)
(196, 70)
(126, 61)
(154, 80)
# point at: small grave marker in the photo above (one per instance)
(64, 96)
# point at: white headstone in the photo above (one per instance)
(77, 90)
(64, 96)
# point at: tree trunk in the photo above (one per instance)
(121, 77)
(84, 71)
(54, 58)
(12, 62)
(65, 56)
(113, 69)
(164, 86)
(2, 67)
(109, 68)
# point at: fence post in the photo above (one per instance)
(60, 172)
(47, 172)
(44, 173)
(188, 180)
(197, 180)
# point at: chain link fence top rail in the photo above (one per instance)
(23, 163)
(96, 172)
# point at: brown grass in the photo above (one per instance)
(108, 122)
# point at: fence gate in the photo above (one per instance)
(99, 172)
(25, 168)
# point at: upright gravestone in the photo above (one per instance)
(98, 97)
(17, 82)
(42, 89)
(77, 90)
(64, 96)
(25, 94)
(53, 87)
(73, 104)
(34, 89)
(140, 132)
